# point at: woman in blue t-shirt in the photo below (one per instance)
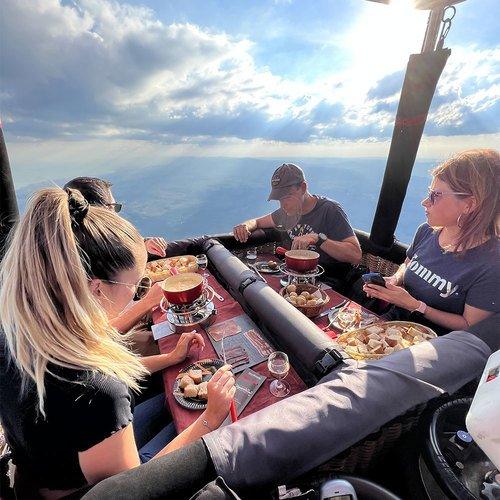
(451, 274)
(66, 374)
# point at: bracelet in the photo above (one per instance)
(205, 424)
(422, 308)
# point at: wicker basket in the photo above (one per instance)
(356, 355)
(309, 311)
(377, 264)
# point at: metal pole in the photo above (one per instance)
(9, 212)
(432, 31)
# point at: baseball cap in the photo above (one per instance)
(284, 177)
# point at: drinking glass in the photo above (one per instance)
(202, 262)
(279, 366)
(252, 255)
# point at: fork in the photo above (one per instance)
(232, 406)
(334, 308)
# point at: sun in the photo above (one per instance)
(382, 38)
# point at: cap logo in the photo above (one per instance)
(275, 181)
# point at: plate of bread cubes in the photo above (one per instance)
(190, 386)
(382, 339)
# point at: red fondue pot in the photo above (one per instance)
(301, 260)
(183, 289)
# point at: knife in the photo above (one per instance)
(334, 308)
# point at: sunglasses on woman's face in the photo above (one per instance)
(141, 288)
(434, 195)
(114, 206)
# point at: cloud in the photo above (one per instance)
(387, 86)
(99, 69)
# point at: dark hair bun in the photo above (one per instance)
(78, 206)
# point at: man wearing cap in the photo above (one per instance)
(309, 220)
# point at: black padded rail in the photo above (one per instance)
(396, 254)
(290, 329)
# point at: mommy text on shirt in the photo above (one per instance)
(444, 286)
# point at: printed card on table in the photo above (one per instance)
(244, 345)
(225, 329)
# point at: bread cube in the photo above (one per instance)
(374, 329)
(393, 330)
(196, 375)
(378, 350)
(191, 391)
(372, 343)
(392, 340)
(203, 390)
(185, 381)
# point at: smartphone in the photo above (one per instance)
(337, 489)
(374, 278)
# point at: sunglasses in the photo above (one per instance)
(141, 288)
(433, 195)
(115, 206)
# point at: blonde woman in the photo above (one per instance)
(452, 272)
(65, 374)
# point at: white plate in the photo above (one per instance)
(367, 319)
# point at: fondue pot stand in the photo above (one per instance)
(293, 277)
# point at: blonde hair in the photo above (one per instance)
(46, 309)
(476, 172)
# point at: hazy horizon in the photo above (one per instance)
(195, 196)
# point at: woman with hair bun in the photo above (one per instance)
(66, 375)
(451, 275)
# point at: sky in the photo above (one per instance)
(93, 86)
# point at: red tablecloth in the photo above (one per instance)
(228, 309)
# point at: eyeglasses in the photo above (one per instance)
(115, 206)
(141, 288)
(436, 194)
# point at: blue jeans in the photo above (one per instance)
(153, 427)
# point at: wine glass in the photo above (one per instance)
(251, 255)
(202, 262)
(279, 366)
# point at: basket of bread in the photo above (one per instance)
(160, 269)
(308, 299)
(381, 339)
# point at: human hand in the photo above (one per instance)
(156, 246)
(154, 295)
(221, 390)
(304, 242)
(185, 342)
(392, 280)
(241, 232)
(393, 294)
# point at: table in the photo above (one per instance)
(228, 309)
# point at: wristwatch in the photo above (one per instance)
(321, 238)
(422, 307)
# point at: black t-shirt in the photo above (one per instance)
(81, 411)
(326, 217)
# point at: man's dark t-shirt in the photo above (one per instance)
(81, 411)
(326, 217)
